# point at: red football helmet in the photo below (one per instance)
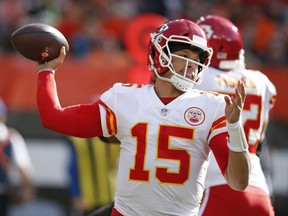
(226, 41)
(176, 35)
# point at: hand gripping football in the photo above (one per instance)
(38, 42)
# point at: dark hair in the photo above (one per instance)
(176, 46)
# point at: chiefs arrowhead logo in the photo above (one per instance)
(194, 116)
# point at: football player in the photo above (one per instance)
(14, 156)
(226, 69)
(166, 129)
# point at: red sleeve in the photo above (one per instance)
(218, 145)
(78, 120)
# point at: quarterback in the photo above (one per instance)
(167, 129)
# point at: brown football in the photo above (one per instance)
(38, 42)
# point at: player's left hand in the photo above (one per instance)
(234, 105)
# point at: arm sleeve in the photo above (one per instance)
(218, 145)
(81, 120)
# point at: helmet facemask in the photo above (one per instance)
(166, 48)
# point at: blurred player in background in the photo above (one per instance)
(92, 169)
(226, 69)
(13, 156)
(166, 129)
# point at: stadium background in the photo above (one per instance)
(100, 56)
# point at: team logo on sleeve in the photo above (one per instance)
(194, 116)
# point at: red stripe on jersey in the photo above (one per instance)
(110, 119)
(219, 123)
(116, 213)
(218, 145)
(273, 100)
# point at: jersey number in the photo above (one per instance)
(253, 104)
(252, 123)
(164, 152)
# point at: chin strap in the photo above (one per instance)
(181, 84)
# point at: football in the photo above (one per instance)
(38, 42)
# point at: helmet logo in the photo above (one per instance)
(155, 35)
(194, 116)
(163, 28)
(208, 30)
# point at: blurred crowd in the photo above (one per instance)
(100, 24)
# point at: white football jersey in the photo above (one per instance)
(261, 94)
(164, 148)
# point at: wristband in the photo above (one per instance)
(47, 69)
(237, 140)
